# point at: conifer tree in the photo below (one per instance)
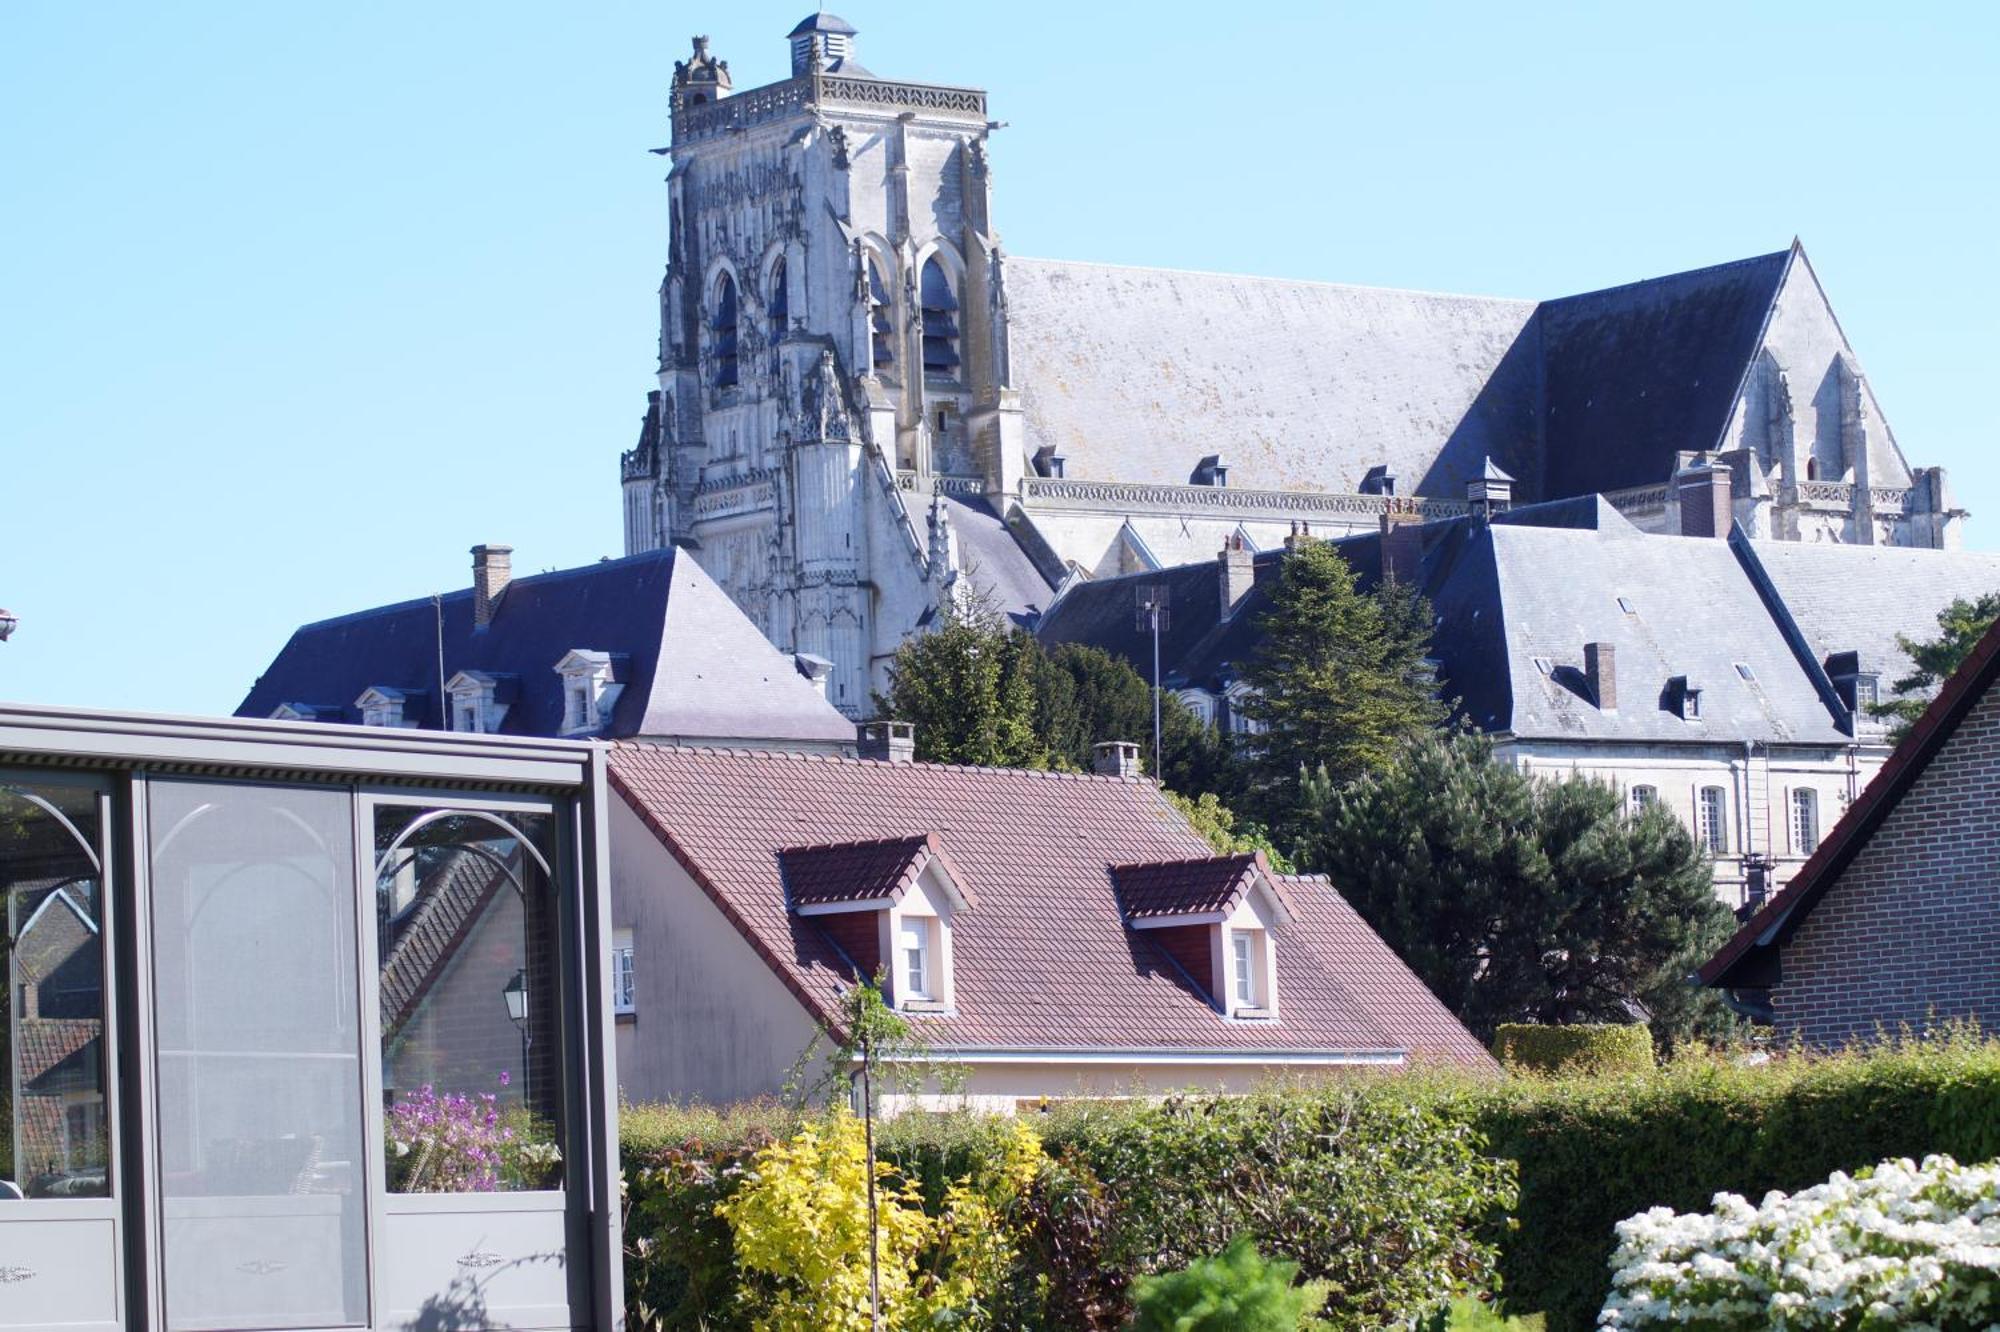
(1960, 627)
(1339, 679)
(1518, 899)
(968, 687)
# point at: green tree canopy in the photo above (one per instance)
(1084, 696)
(968, 687)
(1960, 627)
(1339, 680)
(1519, 899)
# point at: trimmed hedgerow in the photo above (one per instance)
(1582, 1047)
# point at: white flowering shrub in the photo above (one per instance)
(1896, 1246)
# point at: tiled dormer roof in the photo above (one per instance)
(1046, 962)
(881, 869)
(1205, 885)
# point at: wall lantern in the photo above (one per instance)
(516, 995)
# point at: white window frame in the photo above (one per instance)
(1712, 818)
(624, 987)
(1643, 797)
(915, 982)
(1804, 820)
(1243, 968)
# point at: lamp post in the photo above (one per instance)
(516, 995)
(8, 623)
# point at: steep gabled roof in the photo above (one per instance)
(1045, 961)
(1203, 886)
(1775, 922)
(695, 667)
(881, 869)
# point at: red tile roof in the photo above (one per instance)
(1044, 959)
(1776, 920)
(869, 871)
(1198, 887)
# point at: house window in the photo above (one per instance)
(468, 717)
(940, 317)
(1805, 820)
(624, 995)
(1866, 692)
(576, 712)
(1644, 798)
(913, 950)
(1691, 705)
(1243, 967)
(724, 328)
(1710, 807)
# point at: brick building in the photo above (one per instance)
(1896, 918)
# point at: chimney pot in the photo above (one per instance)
(1238, 571)
(1704, 494)
(492, 570)
(1600, 668)
(1115, 758)
(886, 741)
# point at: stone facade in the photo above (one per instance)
(1909, 932)
(846, 354)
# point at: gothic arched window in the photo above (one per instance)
(724, 327)
(881, 316)
(940, 315)
(781, 301)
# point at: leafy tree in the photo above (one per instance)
(968, 687)
(1338, 680)
(1960, 627)
(1238, 1290)
(1523, 900)
(1215, 821)
(1084, 696)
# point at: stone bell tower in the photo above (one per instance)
(829, 242)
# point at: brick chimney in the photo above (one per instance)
(1402, 547)
(1703, 492)
(1115, 758)
(492, 569)
(1238, 571)
(1600, 669)
(886, 741)
(1302, 535)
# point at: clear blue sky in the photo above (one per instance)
(298, 301)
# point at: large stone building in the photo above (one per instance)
(865, 405)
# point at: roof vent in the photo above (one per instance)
(1049, 463)
(1491, 492)
(1210, 471)
(814, 668)
(886, 741)
(821, 40)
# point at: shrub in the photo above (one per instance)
(1237, 1291)
(1366, 1189)
(1896, 1246)
(1578, 1048)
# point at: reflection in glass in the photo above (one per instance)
(468, 937)
(259, 1056)
(56, 1135)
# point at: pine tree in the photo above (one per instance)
(1084, 696)
(1339, 679)
(1960, 627)
(1522, 900)
(968, 687)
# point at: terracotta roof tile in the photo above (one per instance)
(1182, 887)
(1044, 960)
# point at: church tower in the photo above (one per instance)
(831, 302)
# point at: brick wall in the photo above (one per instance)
(1910, 932)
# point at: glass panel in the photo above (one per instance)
(55, 1127)
(470, 944)
(259, 1052)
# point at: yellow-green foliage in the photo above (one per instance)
(800, 1222)
(1582, 1048)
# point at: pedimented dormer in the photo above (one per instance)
(305, 712)
(1219, 918)
(888, 906)
(385, 705)
(480, 699)
(592, 682)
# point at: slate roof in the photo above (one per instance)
(881, 868)
(1136, 374)
(695, 667)
(1859, 598)
(995, 562)
(1779, 918)
(1194, 887)
(1043, 960)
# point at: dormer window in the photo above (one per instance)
(1683, 698)
(887, 909)
(398, 709)
(592, 682)
(305, 712)
(480, 700)
(1216, 920)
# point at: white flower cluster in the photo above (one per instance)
(1897, 1246)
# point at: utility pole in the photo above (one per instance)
(1153, 618)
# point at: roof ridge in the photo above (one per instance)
(1527, 301)
(1669, 277)
(857, 844)
(794, 755)
(665, 553)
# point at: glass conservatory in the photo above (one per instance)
(307, 1027)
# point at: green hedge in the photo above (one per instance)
(1583, 1047)
(1589, 1152)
